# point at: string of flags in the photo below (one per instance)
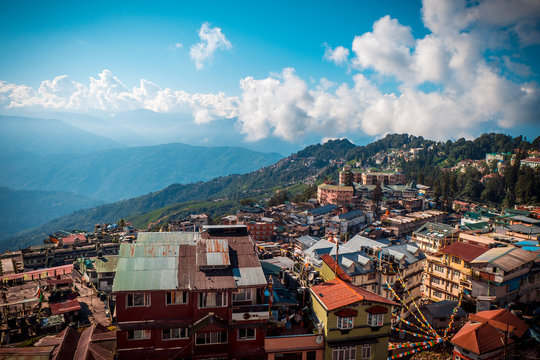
(410, 352)
(405, 345)
(399, 318)
(406, 306)
(414, 334)
(452, 317)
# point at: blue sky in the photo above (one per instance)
(279, 73)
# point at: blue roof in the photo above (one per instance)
(527, 243)
(322, 210)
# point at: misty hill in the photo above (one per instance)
(48, 136)
(23, 209)
(114, 174)
(315, 162)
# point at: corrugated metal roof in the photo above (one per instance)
(147, 266)
(177, 236)
(506, 258)
(249, 276)
(217, 252)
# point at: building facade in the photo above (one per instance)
(190, 295)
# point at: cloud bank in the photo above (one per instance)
(461, 78)
(108, 93)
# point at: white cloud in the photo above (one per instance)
(386, 49)
(212, 39)
(108, 93)
(176, 46)
(339, 55)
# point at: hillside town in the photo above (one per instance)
(372, 268)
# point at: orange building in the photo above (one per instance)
(260, 231)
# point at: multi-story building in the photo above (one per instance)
(333, 194)
(432, 237)
(375, 266)
(260, 230)
(500, 272)
(190, 295)
(530, 162)
(355, 322)
(346, 176)
(448, 272)
(385, 178)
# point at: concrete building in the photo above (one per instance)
(432, 237)
(448, 272)
(333, 194)
(355, 322)
(500, 272)
(190, 295)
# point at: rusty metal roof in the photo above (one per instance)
(147, 266)
(191, 262)
(185, 237)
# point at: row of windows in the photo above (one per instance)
(207, 338)
(347, 322)
(349, 352)
(205, 300)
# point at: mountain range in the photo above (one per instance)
(315, 163)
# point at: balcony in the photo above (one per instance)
(250, 312)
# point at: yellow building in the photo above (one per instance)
(355, 322)
(448, 272)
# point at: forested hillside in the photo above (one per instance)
(431, 166)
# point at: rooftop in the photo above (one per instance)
(506, 258)
(336, 293)
(467, 252)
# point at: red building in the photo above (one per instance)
(190, 295)
(260, 231)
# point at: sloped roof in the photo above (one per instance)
(336, 293)
(328, 260)
(506, 258)
(479, 338)
(499, 318)
(467, 252)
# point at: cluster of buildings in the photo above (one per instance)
(337, 277)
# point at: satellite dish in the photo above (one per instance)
(319, 339)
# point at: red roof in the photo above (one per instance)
(336, 293)
(332, 264)
(65, 307)
(500, 318)
(479, 338)
(74, 238)
(485, 331)
(465, 251)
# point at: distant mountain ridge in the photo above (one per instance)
(22, 209)
(48, 136)
(115, 174)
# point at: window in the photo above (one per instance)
(141, 299)
(456, 260)
(466, 265)
(345, 322)
(177, 297)
(439, 268)
(372, 276)
(435, 280)
(246, 334)
(344, 353)
(437, 294)
(179, 333)
(139, 334)
(375, 319)
(366, 351)
(219, 337)
(242, 295)
(457, 273)
(212, 299)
